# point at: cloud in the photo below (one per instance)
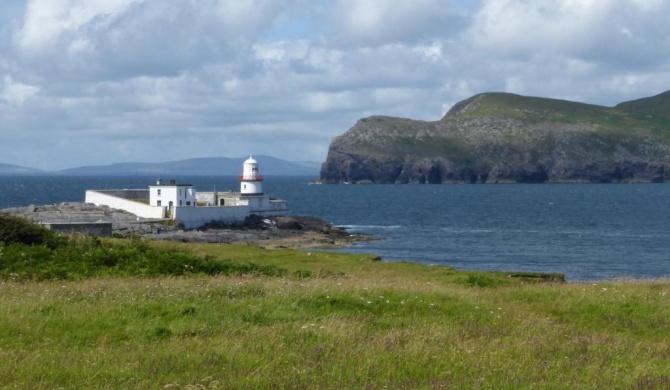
(380, 22)
(86, 82)
(46, 22)
(620, 34)
(14, 93)
(128, 38)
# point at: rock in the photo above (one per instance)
(295, 230)
(123, 223)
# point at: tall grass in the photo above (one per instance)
(355, 323)
(85, 313)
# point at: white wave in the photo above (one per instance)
(469, 231)
(368, 227)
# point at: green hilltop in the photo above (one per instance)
(651, 113)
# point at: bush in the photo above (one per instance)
(20, 230)
(31, 252)
(79, 258)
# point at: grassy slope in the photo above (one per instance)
(362, 324)
(639, 119)
(644, 114)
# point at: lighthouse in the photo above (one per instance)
(250, 180)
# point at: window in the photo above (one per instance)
(159, 192)
(188, 203)
(180, 202)
(159, 202)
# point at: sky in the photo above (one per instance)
(95, 82)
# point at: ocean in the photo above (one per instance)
(586, 231)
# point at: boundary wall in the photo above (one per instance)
(267, 207)
(111, 199)
(194, 217)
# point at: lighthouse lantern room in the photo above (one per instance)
(251, 180)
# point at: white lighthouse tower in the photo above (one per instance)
(251, 181)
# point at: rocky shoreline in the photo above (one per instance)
(274, 232)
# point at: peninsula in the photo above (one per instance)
(507, 138)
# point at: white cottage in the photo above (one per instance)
(171, 195)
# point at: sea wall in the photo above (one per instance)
(194, 217)
(267, 207)
(111, 199)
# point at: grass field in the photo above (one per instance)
(332, 321)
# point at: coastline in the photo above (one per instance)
(296, 232)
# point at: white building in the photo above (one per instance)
(193, 209)
(171, 194)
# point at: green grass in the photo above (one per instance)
(647, 117)
(332, 321)
(31, 252)
(80, 258)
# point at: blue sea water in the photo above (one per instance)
(587, 231)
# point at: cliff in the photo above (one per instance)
(506, 138)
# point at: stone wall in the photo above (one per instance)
(101, 229)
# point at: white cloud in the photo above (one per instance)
(381, 22)
(618, 33)
(141, 78)
(15, 94)
(46, 21)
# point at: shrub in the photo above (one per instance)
(20, 230)
(79, 258)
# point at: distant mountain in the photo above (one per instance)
(201, 166)
(9, 169)
(506, 138)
